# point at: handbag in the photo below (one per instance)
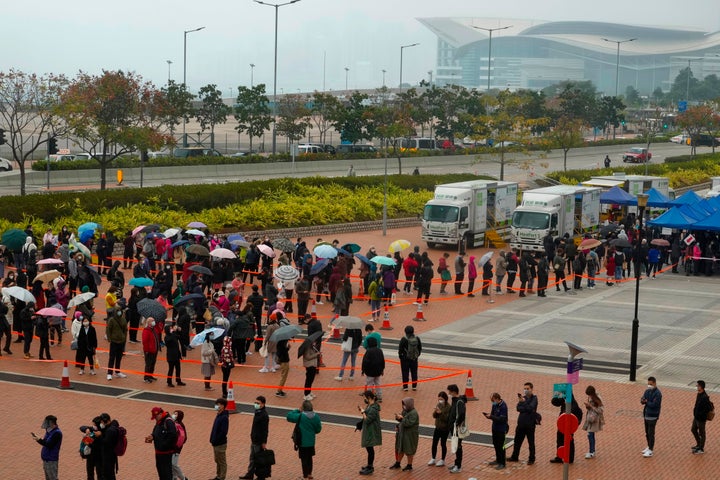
(263, 350)
(265, 458)
(463, 431)
(446, 275)
(73, 345)
(393, 299)
(346, 345)
(454, 441)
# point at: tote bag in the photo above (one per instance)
(346, 345)
(454, 441)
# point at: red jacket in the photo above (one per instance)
(150, 340)
(409, 266)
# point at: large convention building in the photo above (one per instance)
(536, 54)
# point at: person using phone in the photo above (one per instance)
(371, 429)
(441, 414)
(527, 418)
(499, 416)
(51, 443)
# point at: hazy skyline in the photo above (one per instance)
(364, 36)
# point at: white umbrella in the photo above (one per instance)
(286, 273)
(265, 250)
(200, 337)
(195, 231)
(349, 322)
(171, 232)
(325, 251)
(80, 298)
(19, 293)
(223, 253)
(485, 258)
(50, 261)
(47, 276)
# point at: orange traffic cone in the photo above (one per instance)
(231, 407)
(65, 380)
(313, 311)
(419, 316)
(335, 330)
(469, 394)
(386, 319)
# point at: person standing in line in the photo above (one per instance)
(409, 351)
(109, 434)
(593, 266)
(459, 272)
(173, 353)
(218, 438)
(444, 272)
(512, 269)
(472, 275)
(594, 418)
(5, 326)
(499, 416)
(283, 357)
(652, 404)
(456, 420)
(407, 436)
(209, 358)
(527, 408)
(423, 281)
(371, 436)
(441, 414)
(310, 425)
(355, 334)
(559, 268)
(559, 401)
(487, 269)
(410, 267)
(151, 347)
(543, 271)
(178, 416)
(51, 442)
(86, 346)
(310, 362)
(258, 435)
(164, 440)
(27, 321)
(702, 407)
(500, 272)
(226, 363)
(116, 333)
(373, 366)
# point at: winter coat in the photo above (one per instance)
(310, 357)
(87, 340)
(150, 340)
(116, 329)
(260, 427)
(702, 407)
(442, 417)
(501, 266)
(499, 417)
(653, 398)
(595, 417)
(271, 345)
(527, 410)
(371, 431)
(173, 349)
(472, 268)
(407, 437)
(221, 425)
(373, 362)
(457, 411)
(310, 425)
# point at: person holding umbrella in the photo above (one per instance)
(487, 268)
(310, 355)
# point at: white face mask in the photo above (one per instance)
(217, 407)
(256, 406)
(651, 387)
(173, 416)
(102, 425)
(152, 324)
(86, 324)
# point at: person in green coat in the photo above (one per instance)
(310, 425)
(371, 430)
(406, 438)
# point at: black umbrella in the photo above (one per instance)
(283, 244)
(620, 243)
(96, 275)
(152, 308)
(186, 298)
(154, 227)
(201, 269)
(606, 230)
(198, 250)
(308, 342)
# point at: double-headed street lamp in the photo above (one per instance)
(347, 71)
(252, 69)
(276, 6)
(185, 33)
(617, 61)
(490, 32)
(403, 47)
(642, 199)
(169, 62)
(383, 72)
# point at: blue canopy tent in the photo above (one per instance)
(692, 212)
(687, 198)
(711, 222)
(617, 196)
(673, 218)
(657, 199)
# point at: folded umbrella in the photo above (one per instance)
(152, 308)
(198, 339)
(201, 269)
(223, 253)
(266, 250)
(141, 282)
(198, 250)
(325, 251)
(51, 312)
(383, 260)
(19, 293)
(349, 322)
(80, 298)
(308, 342)
(47, 276)
(286, 332)
(286, 273)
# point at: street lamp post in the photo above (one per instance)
(642, 199)
(383, 72)
(169, 62)
(617, 61)
(185, 33)
(276, 6)
(403, 47)
(347, 71)
(252, 70)
(490, 32)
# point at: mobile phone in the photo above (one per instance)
(519, 395)
(485, 413)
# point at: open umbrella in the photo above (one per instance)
(152, 308)
(171, 232)
(286, 332)
(80, 298)
(50, 261)
(79, 247)
(153, 227)
(178, 243)
(194, 231)
(606, 230)
(240, 243)
(19, 293)
(620, 243)
(137, 230)
(266, 250)
(590, 243)
(347, 253)
(196, 225)
(485, 258)
(398, 246)
(141, 282)
(363, 259)
(286, 273)
(201, 269)
(88, 226)
(383, 260)
(200, 337)
(349, 322)
(14, 239)
(320, 243)
(86, 235)
(95, 275)
(308, 342)
(325, 251)
(155, 235)
(284, 245)
(198, 250)
(47, 276)
(660, 242)
(319, 266)
(223, 253)
(351, 247)
(186, 298)
(51, 312)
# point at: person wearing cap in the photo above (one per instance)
(164, 439)
(218, 438)
(51, 443)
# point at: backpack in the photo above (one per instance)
(413, 349)
(121, 444)
(380, 288)
(711, 413)
(181, 438)
(297, 436)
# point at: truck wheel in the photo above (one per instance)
(431, 244)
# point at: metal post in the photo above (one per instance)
(185, 74)
(385, 190)
(169, 62)
(617, 60)
(490, 32)
(252, 70)
(402, 47)
(347, 70)
(642, 202)
(383, 72)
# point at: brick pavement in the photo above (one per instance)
(618, 450)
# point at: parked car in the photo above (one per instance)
(704, 140)
(637, 155)
(5, 165)
(681, 139)
(61, 157)
(307, 149)
(185, 152)
(352, 148)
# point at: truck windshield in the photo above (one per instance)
(531, 220)
(440, 213)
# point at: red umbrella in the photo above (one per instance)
(660, 242)
(590, 243)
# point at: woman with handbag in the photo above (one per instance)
(209, 359)
(352, 338)
(371, 429)
(310, 425)
(445, 275)
(594, 418)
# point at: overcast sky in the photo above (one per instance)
(364, 35)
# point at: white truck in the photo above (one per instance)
(468, 211)
(557, 210)
(633, 184)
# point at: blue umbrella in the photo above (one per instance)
(86, 235)
(342, 251)
(88, 226)
(319, 266)
(141, 282)
(362, 258)
(200, 337)
(179, 242)
(186, 298)
(236, 237)
(383, 260)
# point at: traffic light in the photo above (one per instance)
(3, 141)
(52, 146)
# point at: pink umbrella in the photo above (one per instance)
(266, 250)
(51, 312)
(137, 230)
(50, 261)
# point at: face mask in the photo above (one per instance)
(217, 407)
(651, 387)
(85, 324)
(256, 405)
(441, 402)
(152, 324)
(174, 417)
(526, 392)
(102, 426)
(494, 403)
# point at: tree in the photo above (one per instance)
(28, 113)
(351, 120)
(212, 110)
(252, 112)
(323, 105)
(293, 117)
(391, 122)
(632, 96)
(116, 113)
(609, 112)
(567, 133)
(696, 120)
(178, 103)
